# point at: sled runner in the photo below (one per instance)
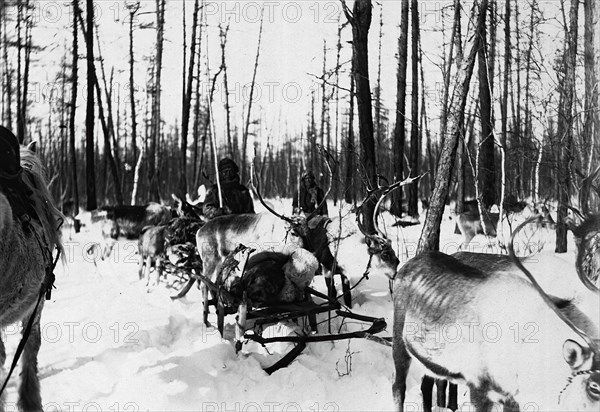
(235, 291)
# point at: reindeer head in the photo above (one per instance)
(585, 370)
(379, 246)
(583, 360)
(183, 208)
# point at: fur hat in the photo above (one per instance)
(9, 154)
(227, 163)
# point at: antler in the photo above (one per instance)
(256, 190)
(589, 341)
(387, 191)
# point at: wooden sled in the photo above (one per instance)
(251, 321)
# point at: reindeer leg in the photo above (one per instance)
(401, 360)
(148, 270)
(2, 372)
(479, 398)
(453, 397)
(29, 389)
(346, 290)
(427, 392)
(141, 268)
(510, 405)
(158, 270)
(331, 292)
(205, 303)
(441, 385)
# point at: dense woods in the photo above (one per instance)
(490, 99)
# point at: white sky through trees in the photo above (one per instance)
(291, 53)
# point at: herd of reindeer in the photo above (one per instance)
(558, 369)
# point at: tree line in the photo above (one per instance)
(510, 121)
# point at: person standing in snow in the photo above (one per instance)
(309, 197)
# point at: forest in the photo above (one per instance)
(131, 101)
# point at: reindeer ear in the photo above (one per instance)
(570, 223)
(32, 146)
(575, 354)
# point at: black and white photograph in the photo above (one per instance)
(300, 205)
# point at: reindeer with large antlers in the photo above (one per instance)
(266, 232)
(473, 318)
(587, 236)
(379, 245)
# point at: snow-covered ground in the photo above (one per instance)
(110, 345)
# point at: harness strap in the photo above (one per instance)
(45, 290)
(574, 374)
(24, 338)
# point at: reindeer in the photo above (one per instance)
(570, 306)
(277, 233)
(559, 370)
(378, 244)
(158, 243)
(264, 232)
(587, 236)
(151, 247)
(29, 233)
(471, 222)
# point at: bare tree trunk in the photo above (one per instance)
(454, 40)
(8, 80)
(413, 189)
(208, 130)
(197, 116)
(430, 236)
(223, 37)
(399, 129)
(430, 156)
(187, 102)
(517, 113)
(336, 188)
(350, 195)
(565, 128)
(378, 102)
(324, 101)
(89, 117)
(360, 19)
(73, 109)
(248, 117)
(595, 144)
(507, 65)
(23, 109)
(133, 9)
(591, 87)
(488, 171)
(136, 173)
(312, 136)
(20, 125)
(107, 128)
(528, 61)
(196, 129)
(155, 138)
(3, 68)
